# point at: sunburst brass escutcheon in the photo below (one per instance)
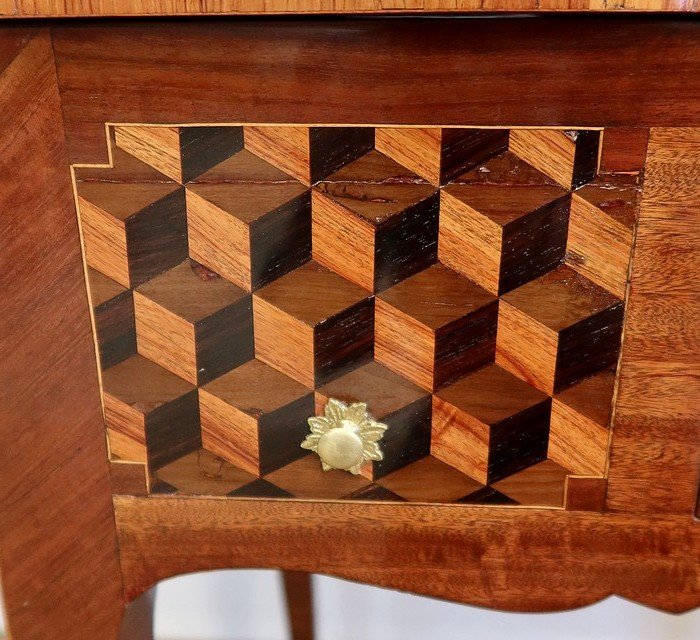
(345, 436)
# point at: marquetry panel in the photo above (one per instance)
(468, 285)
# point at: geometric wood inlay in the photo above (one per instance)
(467, 284)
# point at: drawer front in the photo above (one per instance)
(403, 314)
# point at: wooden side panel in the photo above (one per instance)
(655, 455)
(59, 582)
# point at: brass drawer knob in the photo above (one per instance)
(345, 436)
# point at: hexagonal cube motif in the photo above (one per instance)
(374, 222)
(313, 325)
(181, 153)
(203, 473)
(193, 322)
(309, 153)
(570, 157)
(392, 400)
(580, 427)
(558, 329)
(601, 225)
(152, 416)
(255, 417)
(490, 424)
(430, 480)
(113, 309)
(304, 478)
(503, 224)
(439, 154)
(133, 231)
(248, 221)
(435, 327)
(543, 484)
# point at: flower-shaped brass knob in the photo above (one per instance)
(345, 436)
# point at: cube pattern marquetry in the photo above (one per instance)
(468, 285)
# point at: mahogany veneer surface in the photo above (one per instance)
(641, 497)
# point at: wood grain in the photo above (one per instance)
(255, 417)
(153, 413)
(601, 228)
(438, 155)
(501, 230)
(298, 592)
(558, 329)
(180, 153)
(53, 459)
(393, 400)
(585, 494)
(490, 424)
(542, 484)
(430, 480)
(434, 327)
(248, 221)
(304, 478)
(128, 478)
(653, 469)
(115, 328)
(313, 325)
(158, 147)
(201, 472)
(444, 552)
(374, 222)
(53, 8)
(579, 430)
(155, 82)
(309, 153)
(132, 231)
(193, 322)
(624, 150)
(570, 157)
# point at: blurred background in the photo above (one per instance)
(248, 605)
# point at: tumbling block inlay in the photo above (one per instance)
(255, 417)
(113, 308)
(132, 231)
(374, 222)
(248, 221)
(152, 416)
(580, 425)
(304, 478)
(181, 153)
(570, 157)
(490, 424)
(438, 155)
(601, 228)
(309, 153)
(313, 325)
(203, 473)
(194, 323)
(558, 329)
(430, 480)
(464, 283)
(435, 327)
(503, 224)
(392, 400)
(542, 484)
